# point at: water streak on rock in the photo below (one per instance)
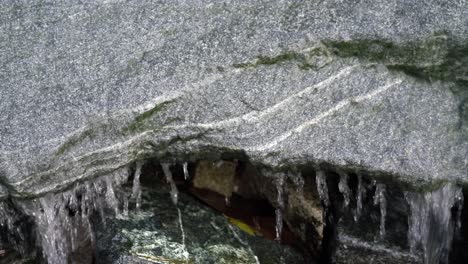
(63, 220)
(110, 195)
(431, 223)
(170, 180)
(186, 173)
(182, 232)
(136, 189)
(279, 224)
(322, 187)
(279, 182)
(344, 189)
(12, 233)
(459, 204)
(125, 205)
(379, 199)
(359, 197)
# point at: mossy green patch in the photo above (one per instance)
(139, 122)
(73, 141)
(264, 60)
(305, 60)
(435, 58)
(432, 50)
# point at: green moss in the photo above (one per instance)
(372, 49)
(289, 56)
(140, 120)
(301, 59)
(264, 60)
(435, 58)
(431, 50)
(74, 140)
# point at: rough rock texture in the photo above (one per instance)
(294, 194)
(200, 235)
(86, 88)
(216, 176)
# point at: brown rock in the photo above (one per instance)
(215, 176)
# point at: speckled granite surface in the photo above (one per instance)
(87, 87)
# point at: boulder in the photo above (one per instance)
(187, 233)
(373, 88)
(216, 176)
(87, 88)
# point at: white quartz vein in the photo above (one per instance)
(254, 116)
(316, 120)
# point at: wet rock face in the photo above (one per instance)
(305, 91)
(292, 196)
(188, 233)
(88, 88)
(384, 223)
(329, 216)
(216, 176)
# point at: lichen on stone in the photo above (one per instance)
(88, 133)
(140, 120)
(313, 58)
(437, 57)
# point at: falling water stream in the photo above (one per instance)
(63, 221)
(170, 180)
(379, 199)
(136, 189)
(431, 223)
(343, 186)
(322, 187)
(279, 182)
(186, 173)
(359, 197)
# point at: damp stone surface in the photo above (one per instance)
(337, 97)
(187, 233)
(87, 88)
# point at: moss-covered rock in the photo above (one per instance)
(186, 233)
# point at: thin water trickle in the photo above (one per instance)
(379, 199)
(431, 224)
(186, 254)
(279, 183)
(170, 180)
(98, 203)
(62, 220)
(110, 195)
(136, 189)
(359, 197)
(344, 189)
(125, 205)
(186, 173)
(279, 224)
(322, 187)
(459, 204)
